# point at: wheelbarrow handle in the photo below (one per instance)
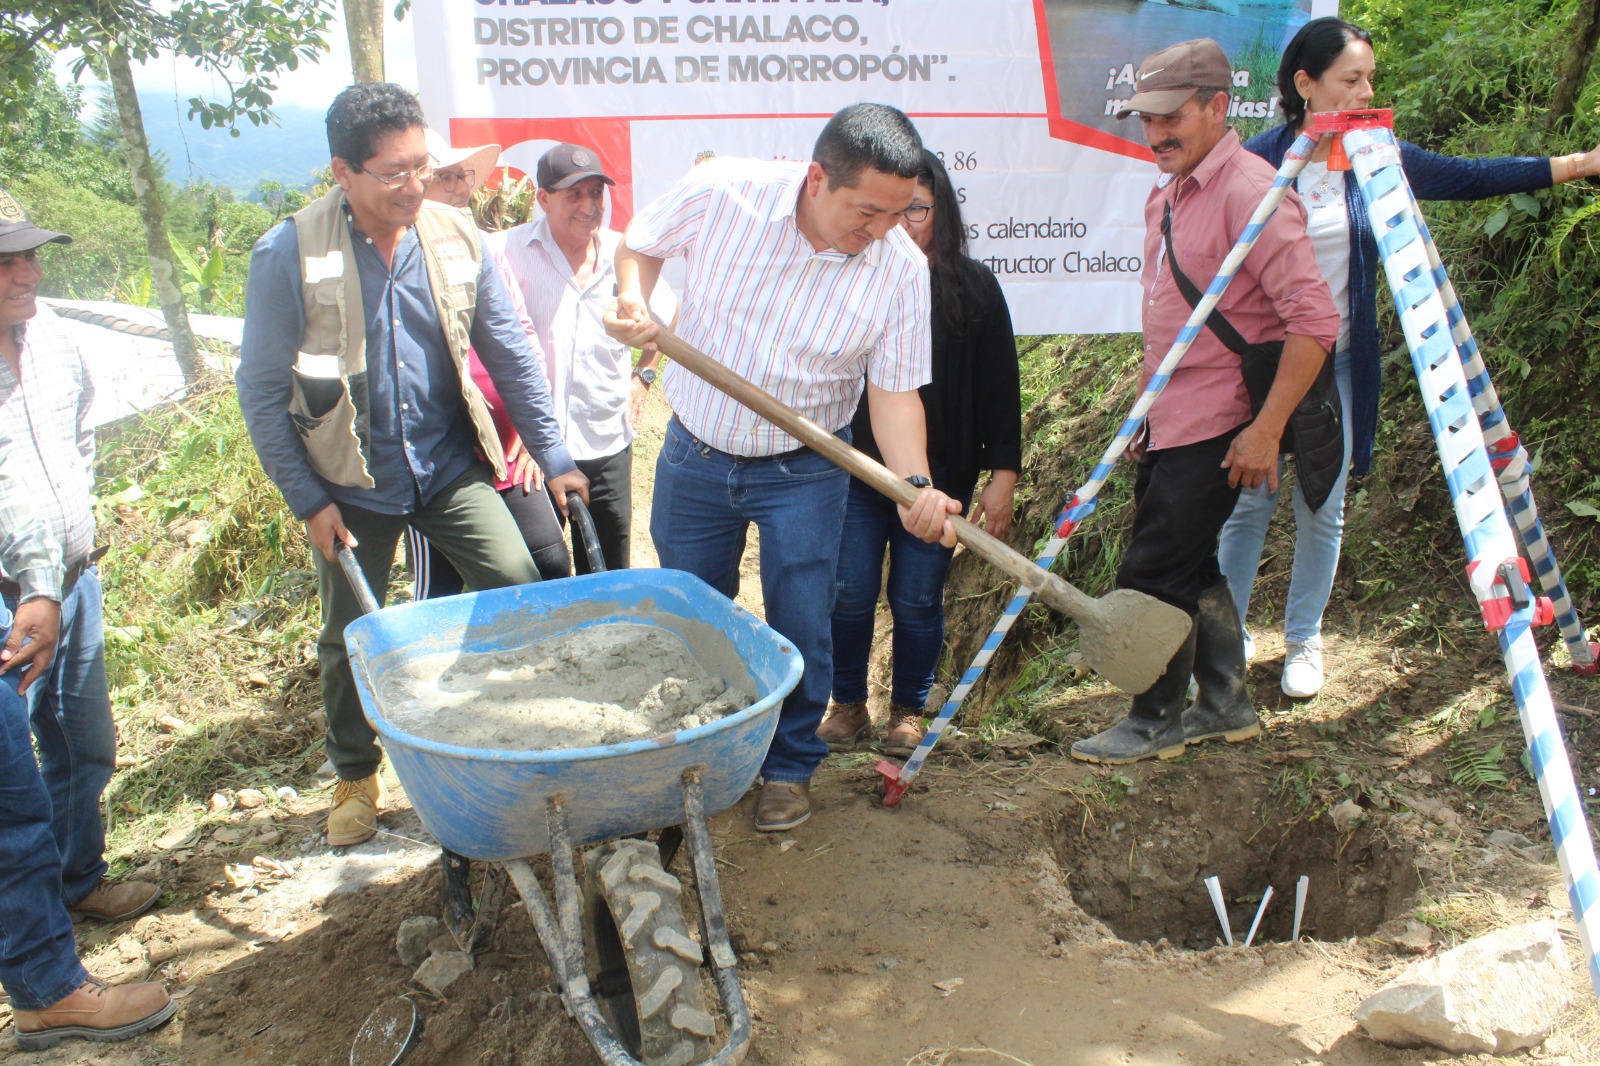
(583, 524)
(358, 580)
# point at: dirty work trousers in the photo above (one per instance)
(1181, 500)
(469, 523)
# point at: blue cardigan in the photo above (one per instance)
(1432, 177)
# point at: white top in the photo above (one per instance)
(590, 374)
(804, 325)
(1328, 225)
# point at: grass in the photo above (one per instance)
(211, 617)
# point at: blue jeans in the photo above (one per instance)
(38, 957)
(917, 572)
(1317, 537)
(704, 504)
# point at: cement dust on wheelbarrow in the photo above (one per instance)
(602, 684)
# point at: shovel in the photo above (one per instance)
(1125, 636)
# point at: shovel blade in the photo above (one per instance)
(1128, 638)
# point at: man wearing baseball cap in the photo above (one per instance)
(1204, 436)
(53, 678)
(564, 263)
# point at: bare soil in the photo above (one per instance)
(1016, 908)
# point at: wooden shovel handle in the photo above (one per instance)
(1052, 589)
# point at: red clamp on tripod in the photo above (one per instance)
(1513, 576)
(1339, 121)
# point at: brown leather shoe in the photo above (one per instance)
(904, 732)
(96, 1011)
(846, 723)
(354, 816)
(116, 901)
(783, 805)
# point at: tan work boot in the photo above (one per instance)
(846, 723)
(354, 816)
(904, 732)
(783, 805)
(96, 1011)
(116, 901)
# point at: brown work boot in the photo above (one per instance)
(904, 732)
(354, 816)
(846, 723)
(783, 805)
(116, 901)
(96, 1011)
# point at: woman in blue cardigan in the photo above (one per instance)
(1328, 66)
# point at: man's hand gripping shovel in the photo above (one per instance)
(1126, 637)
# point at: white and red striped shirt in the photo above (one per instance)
(804, 325)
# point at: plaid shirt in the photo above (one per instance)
(47, 452)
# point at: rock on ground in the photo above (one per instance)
(1498, 993)
(415, 934)
(442, 971)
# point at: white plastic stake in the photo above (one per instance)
(1299, 905)
(1214, 886)
(1265, 897)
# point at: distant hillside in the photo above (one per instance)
(287, 153)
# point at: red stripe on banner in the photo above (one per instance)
(610, 137)
(1061, 127)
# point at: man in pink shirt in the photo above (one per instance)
(1202, 440)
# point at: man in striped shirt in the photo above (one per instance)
(800, 278)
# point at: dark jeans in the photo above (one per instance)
(704, 504)
(611, 507)
(917, 572)
(467, 522)
(431, 572)
(38, 956)
(1182, 500)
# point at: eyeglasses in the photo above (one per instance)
(424, 174)
(450, 179)
(916, 212)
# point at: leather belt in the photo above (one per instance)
(13, 591)
(702, 447)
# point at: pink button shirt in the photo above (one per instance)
(1277, 291)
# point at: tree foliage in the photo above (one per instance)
(247, 44)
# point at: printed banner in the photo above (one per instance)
(1018, 97)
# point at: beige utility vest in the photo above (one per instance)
(329, 405)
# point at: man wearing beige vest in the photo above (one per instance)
(353, 380)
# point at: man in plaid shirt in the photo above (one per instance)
(52, 840)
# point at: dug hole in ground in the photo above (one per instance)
(1016, 907)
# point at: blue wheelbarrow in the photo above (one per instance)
(618, 942)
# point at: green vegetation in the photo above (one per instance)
(212, 618)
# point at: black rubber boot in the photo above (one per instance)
(1223, 708)
(1154, 726)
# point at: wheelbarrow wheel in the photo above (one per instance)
(645, 966)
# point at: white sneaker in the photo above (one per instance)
(1302, 668)
(1249, 647)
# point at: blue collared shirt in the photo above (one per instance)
(421, 438)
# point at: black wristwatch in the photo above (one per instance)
(645, 374)
(917, 481)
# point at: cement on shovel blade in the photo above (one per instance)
(1128, 638)
(390, 1033)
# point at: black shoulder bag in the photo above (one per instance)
(1315, 434)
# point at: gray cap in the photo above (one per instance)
(568, 164)
(17, 231)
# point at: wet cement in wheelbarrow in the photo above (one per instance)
(601, 684)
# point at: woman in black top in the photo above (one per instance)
(973, 409)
